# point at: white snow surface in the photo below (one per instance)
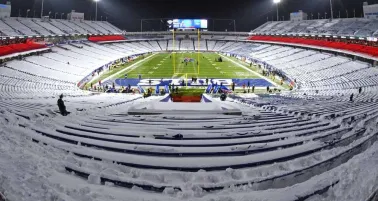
(40, 175)
(32, 171)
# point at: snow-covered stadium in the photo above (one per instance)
(312, 135)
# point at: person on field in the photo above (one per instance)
(253, 88)
(61, 106)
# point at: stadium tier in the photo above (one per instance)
(301, 135)
(11, 27)
(358, 27)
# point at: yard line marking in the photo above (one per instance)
(128, 68)
(242, 66)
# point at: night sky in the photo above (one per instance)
(248, 14)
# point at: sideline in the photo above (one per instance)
(257, 74)
(128, 68)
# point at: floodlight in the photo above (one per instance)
(96, 8)
(277, 2)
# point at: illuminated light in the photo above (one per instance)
(276, 1)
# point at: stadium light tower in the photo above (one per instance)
(43, 2)
(96, 9)
(330, 5)
(277, 2)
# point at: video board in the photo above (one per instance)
(187, 24)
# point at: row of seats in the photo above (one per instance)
(44, 27)
(65, 63)
(316, 73)
(277, 143)
(20, 47)
(369, 50)
(106, 38)
(360, 27)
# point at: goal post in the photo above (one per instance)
(198, 59)
(177, 71)
(173, 52)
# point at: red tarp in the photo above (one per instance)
(373, 51)
(20, 47)
(106, 38)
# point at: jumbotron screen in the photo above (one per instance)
(187, 24)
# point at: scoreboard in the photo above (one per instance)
(187, 24)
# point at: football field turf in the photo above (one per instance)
(168, 65)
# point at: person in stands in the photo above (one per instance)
(360, 90)
(267, 89)
(253, 89)
(61, 106)
(351, 98)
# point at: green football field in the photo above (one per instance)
(168, 65)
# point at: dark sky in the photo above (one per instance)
(248, 14)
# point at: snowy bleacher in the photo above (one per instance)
(279, 145)
(15, 26)
(186, 45)
(308, 144)
(360, 27)
(312, 69)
